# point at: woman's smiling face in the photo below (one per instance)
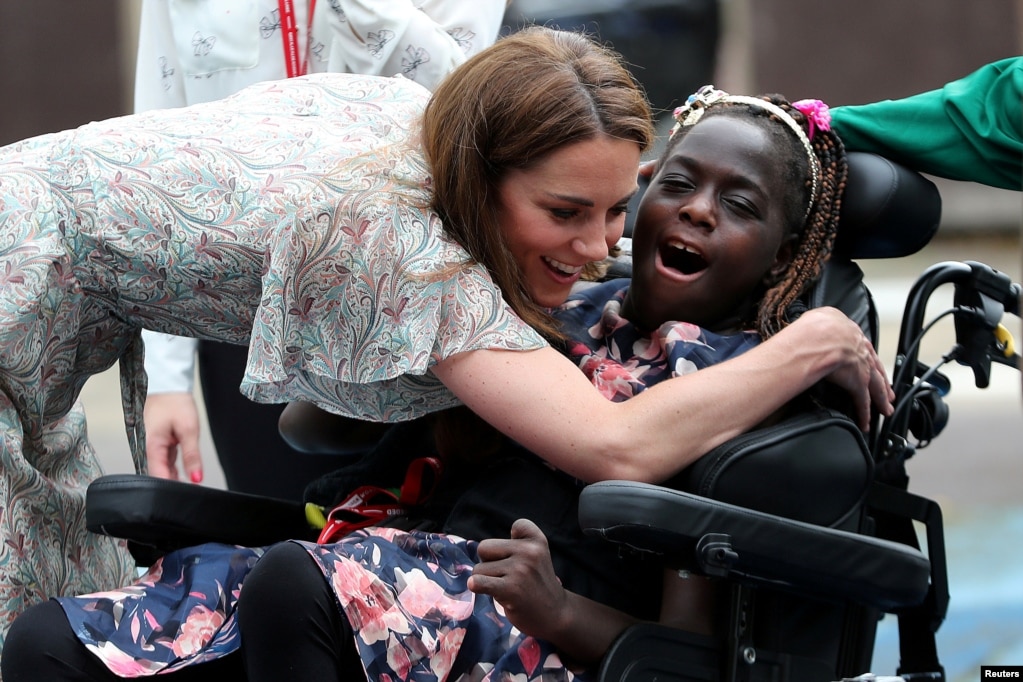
(567, 211)
(711, 229)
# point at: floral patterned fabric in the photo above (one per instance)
(404, 593)
(620, 360)
(405, 596)
(182, 611)
(291, 217)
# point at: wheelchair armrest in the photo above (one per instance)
(758, 548)
(164, 515)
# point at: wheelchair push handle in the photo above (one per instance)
(983, 296)
(980, 305)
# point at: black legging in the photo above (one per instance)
(250, 450)
(291, 630)
(41, 646)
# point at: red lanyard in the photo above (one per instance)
(296, 65)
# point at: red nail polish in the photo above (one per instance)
(196, 477)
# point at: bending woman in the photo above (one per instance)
(367, 276)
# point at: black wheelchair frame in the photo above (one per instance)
(804, 592)
(878, 569)
(858, 575)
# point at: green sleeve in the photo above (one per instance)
(971, 129)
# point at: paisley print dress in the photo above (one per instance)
(291, 217)
(403, 593)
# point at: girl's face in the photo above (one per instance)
(567, 211)
(711, 229)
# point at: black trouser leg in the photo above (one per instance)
(41, 646)
(254, 457)
(292, 628)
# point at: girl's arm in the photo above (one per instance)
(540, 399)
(519, 575)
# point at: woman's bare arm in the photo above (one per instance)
(540, 399)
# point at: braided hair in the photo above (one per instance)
(817, 226)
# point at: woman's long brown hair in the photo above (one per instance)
(508, 107)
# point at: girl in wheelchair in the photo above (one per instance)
(734, 270)
(739, 218)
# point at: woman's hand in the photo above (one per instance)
(857, 367)
(172, 424)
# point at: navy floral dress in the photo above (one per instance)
(621, 360)
(403, 592)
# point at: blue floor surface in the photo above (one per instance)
(984, 625)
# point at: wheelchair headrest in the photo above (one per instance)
(888, 210)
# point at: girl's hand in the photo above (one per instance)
(519, 574)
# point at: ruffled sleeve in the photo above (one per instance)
(360, 300)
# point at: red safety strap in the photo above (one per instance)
(369, 505)
(296, 64)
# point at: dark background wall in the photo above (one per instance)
(863, 50)
(67, 62)
(61, 64)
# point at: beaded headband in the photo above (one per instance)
(816, 112)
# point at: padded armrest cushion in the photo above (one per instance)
(170, 514)
(831, 564)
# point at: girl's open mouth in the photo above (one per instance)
(677, 256)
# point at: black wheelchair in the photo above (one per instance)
(808, 525)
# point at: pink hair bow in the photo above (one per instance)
(816, 112)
